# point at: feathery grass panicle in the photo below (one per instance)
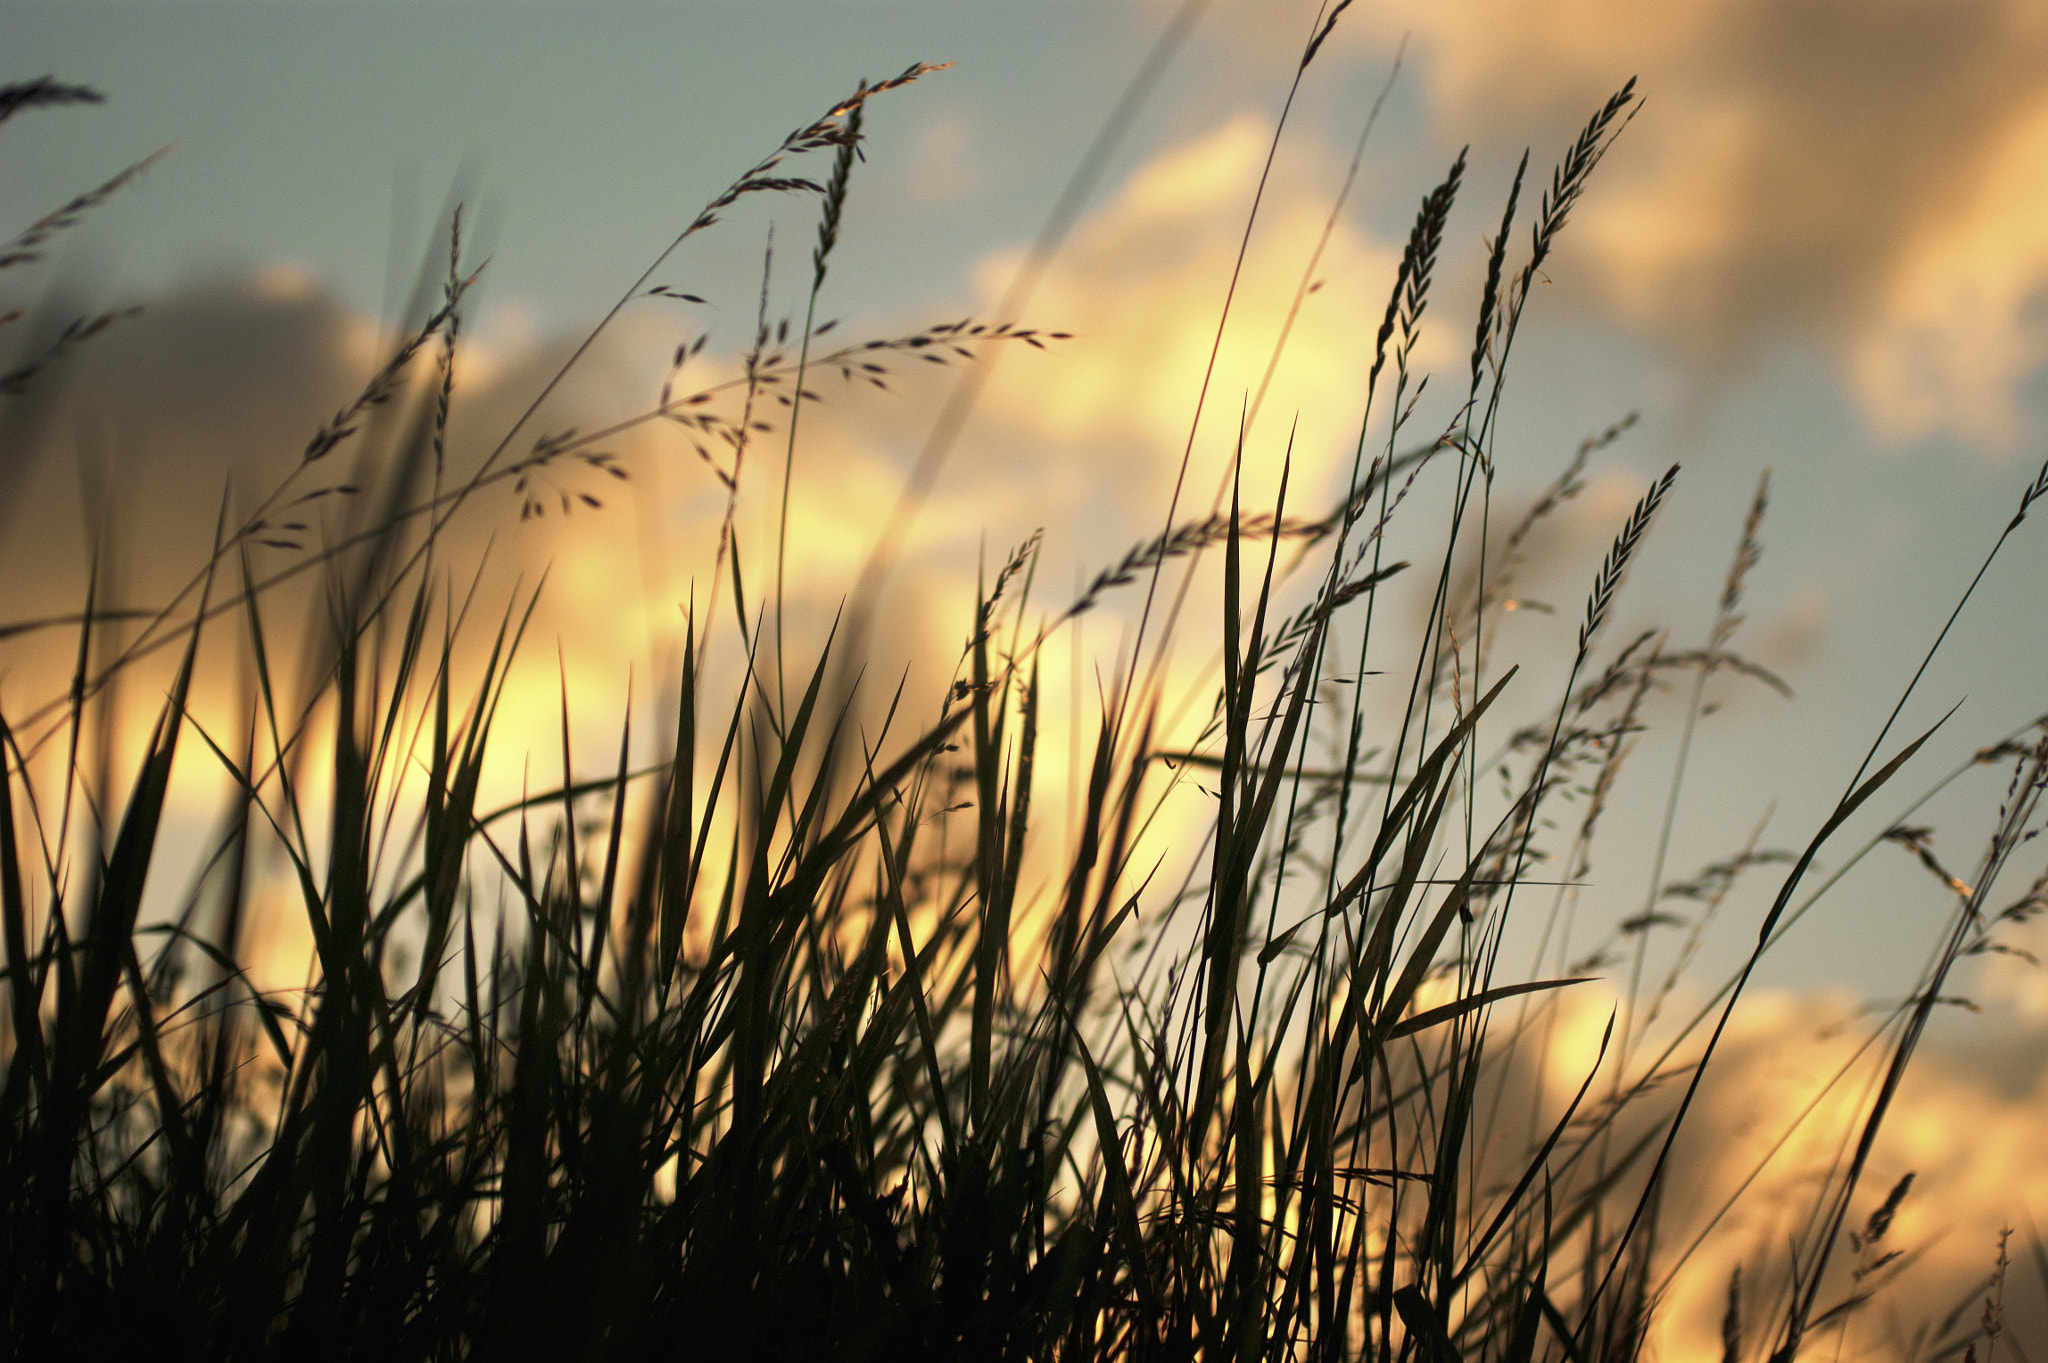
(1611, 572)
(1568, 182)
(1411, 282)
(1748, 553)
(1326, 24)
(27, 248)
(2033, 492)
(41, 92)
(385, 383)
(16, 380)
(1483, 334)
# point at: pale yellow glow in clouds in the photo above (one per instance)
(1142, 285)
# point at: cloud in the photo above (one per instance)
(217, 386)
(198, 388)
(1869, 174)
(1143, 283)
(1961, 324)
(1785, 1098)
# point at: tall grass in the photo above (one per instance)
(804, 1040)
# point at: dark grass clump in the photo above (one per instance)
(804, 1041)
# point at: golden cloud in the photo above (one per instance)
(1871, 174)
(1143, 284)
(1781, 1107)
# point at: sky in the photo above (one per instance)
(1816, 250)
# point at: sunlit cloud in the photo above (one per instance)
(1778, 1114)
(1867, 176)
(1960, 328)
(1143, 285)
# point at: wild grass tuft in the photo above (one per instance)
(809, 1038)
